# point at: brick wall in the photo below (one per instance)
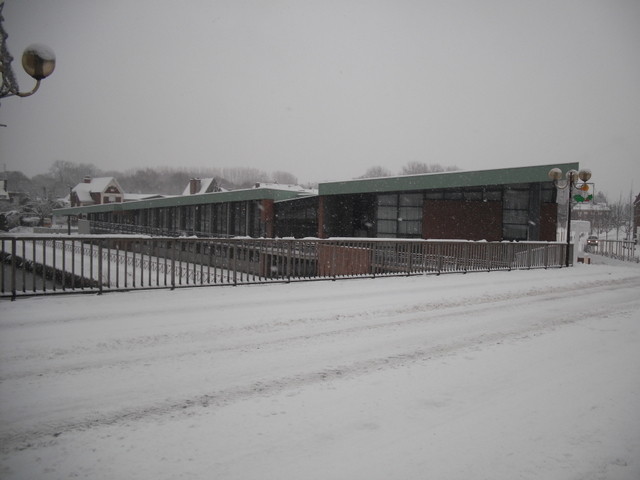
(458, 219)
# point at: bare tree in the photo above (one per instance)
(620, 219)
(284, 178)
(413, 168)
(67, 173)
(375, 172)
(243, 177)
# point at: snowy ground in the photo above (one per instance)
(501, 375)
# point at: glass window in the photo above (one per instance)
(493, 195)
(399, 214)
(411, 200)
(387, 226)
(515, 232)
(516, 216)
(409, 228)
(473, 195)
(387, 213)
(434, 195)
(452, 195)
(410, 213)
(516, 199)
(387, 200)
(547, 194)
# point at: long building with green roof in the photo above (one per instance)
(498, 204)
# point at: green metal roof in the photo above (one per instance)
(455, 179)
(179, 201)
(430, 181)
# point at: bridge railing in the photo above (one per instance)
(44, 264)
(624, 250)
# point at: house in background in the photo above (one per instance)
(198, 186)
(96, 191)
(4, 193)
(597, 214)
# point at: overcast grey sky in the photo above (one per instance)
(325, 89)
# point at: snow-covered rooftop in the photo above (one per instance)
(205, 187)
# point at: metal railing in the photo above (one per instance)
(110, 228)
(624, 250)
(36, 265)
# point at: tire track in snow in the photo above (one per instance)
(194, 341)
(32, 438)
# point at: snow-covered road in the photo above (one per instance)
(501, 375)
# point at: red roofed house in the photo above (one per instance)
(96, 191)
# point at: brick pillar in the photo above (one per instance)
(321, 216)
(268, 217)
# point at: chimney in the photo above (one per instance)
(86, 179)
(194, 186)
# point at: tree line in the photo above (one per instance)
(162, 180)
(63, 175)
(411, 168)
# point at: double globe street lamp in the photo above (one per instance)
(577, 191)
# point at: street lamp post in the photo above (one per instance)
(571, 182)
(71, 204)
(38, 61)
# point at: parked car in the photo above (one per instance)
(592, 241)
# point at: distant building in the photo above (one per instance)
(199, 186)
(8, 196)
(501, 204)
(4, 193)
(594, 213)
(96, 191)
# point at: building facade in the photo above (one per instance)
(493, 205)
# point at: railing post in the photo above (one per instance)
(90, 262)
(289, 259)
(100, 261)
(173, 264)
(512, 254)
(14, 247)
(487, 255)
(108, 262)
(466, 257)
(44, 265)
(54, 270)
(235, 264)
(372, 260)
(333, 261)
(546, 256)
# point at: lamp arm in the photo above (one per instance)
(27, 94)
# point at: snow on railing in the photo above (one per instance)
(34, 265)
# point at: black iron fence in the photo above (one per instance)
(35, 265)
